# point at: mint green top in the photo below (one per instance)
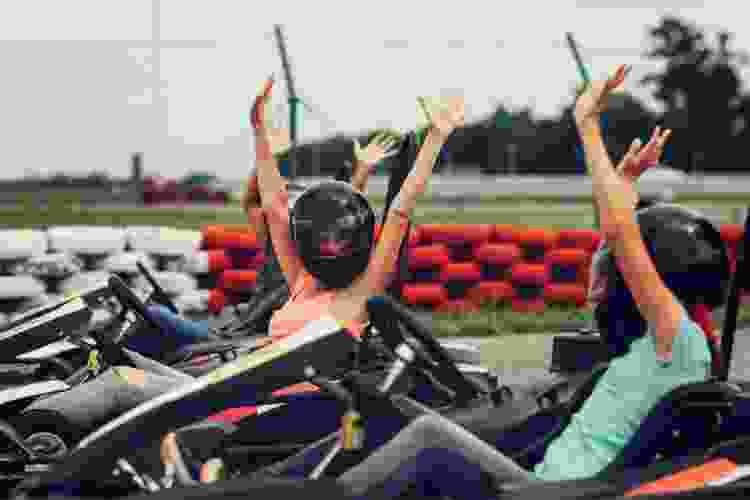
(622, 398)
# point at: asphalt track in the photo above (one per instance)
(570, 185)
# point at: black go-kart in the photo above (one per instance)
(438, 382)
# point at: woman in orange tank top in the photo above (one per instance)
(325, 246)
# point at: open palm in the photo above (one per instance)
(446, 116)
(381, 147)
(638, 159)
(594, 98)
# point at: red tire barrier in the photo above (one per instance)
(505, 233)
(216, 236)
(567, 265)
(497, 259)
(585, 239)
(211, 234)
(239, 241)
(490, 291)
(529, 274)
(528, 281)
(461, 271)
(237, 280)
(565, 293)
(498, 253)
(415, 236)
(217, 300)
(520, 304)
(428, 256)
(456, 233)
(535, 242)
(424, 294)
(458, 306)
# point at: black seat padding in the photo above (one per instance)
(211, 347)
(685, 420)
(688, 418)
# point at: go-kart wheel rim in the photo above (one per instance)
(47, 445)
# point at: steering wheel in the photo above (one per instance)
(260, 308)
(130, 300)
(158, 295)
(386, 314)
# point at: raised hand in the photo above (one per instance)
(594, 99)
(445, 118)
(258, 110)
(382, 146)
(638, 159)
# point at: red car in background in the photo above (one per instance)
(195, 188)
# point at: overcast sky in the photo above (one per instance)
(75, 107)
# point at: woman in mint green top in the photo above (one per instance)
(660, 267)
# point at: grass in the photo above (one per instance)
(522, 213)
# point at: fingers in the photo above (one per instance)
(620, 74)
(655, 135)
(664, 137)
(628, 161)
(634, 148)
(257, 111)
(423, 106)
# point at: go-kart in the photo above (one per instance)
(331, 353)
(452, 387)
(692, 424)
(521, 430)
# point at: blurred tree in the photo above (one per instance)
(701, 91)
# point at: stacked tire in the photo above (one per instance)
(451, 267)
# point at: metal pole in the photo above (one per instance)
(293, 100)
(584, 74)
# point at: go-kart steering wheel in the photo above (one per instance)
(158, 295)
(130, 300)
(386, 314)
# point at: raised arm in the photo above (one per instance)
(366, 159)
(252, 205)
(619, 227)
(637, 160)
(271, 187)
(383, 260)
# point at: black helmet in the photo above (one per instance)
(333, 226)
(690, 257)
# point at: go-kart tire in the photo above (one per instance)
(88, 240)
(21, 244)
(20, 287)
(173, 283)
(47, 428)
(163, 241)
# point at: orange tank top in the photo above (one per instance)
(306, 303)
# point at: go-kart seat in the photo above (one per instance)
(688, 418)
